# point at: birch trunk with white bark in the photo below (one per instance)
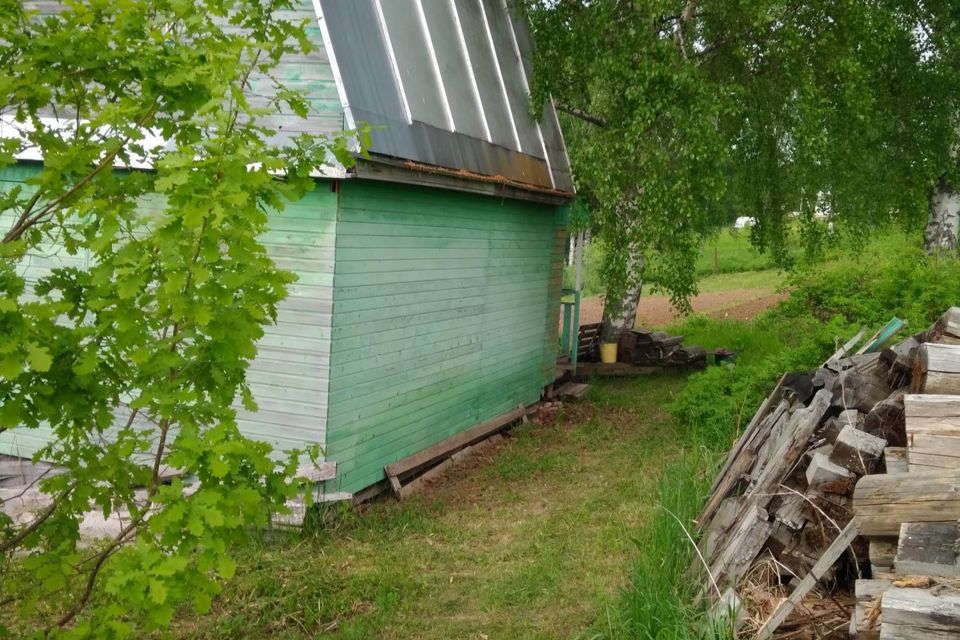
(944, 220)
(621, 315)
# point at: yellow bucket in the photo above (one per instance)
(608, 352)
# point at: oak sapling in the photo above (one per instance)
(158, 170)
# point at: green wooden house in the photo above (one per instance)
(429, 274)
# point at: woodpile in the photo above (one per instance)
(844, 488)
(648, 348)
(639, 352)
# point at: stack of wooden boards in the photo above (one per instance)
(588, 342)
(846, 477)
(644, 347)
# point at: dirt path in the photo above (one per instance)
(656, 311)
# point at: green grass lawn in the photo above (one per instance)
(725, 259)
(730, 251)
(534, 541)
(768, 279)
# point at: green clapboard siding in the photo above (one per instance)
(289, 377)
(445, 315)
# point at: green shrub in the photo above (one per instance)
(715, 404)
(891, 276)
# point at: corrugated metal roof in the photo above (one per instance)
(444, 83)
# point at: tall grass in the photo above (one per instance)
(659, 604)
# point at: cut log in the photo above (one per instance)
(901, 355)
(947, 328)
(931, 415)
(912, 614)
(932, 452)
(945, 408)
(822, 471)
(866, 363)
(928, 548)
(857, 450)
(882, 503)
(866, 619)
(933, 441)
(900, 360)
(863, 390)
(895, 459)
(937, 370)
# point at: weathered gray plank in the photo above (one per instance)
(918, 614)
(928, 548)
(937, 369)
(857, 450)
(823, 471)
(883, 502)
(947, 328)
(741, 548)
(744, 452)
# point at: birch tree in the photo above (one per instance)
(683, 114)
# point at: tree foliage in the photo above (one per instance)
(134, 354)
(683, 114)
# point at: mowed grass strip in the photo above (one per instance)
(532, 540)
